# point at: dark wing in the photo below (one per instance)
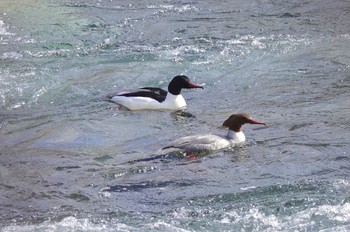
(151, 92)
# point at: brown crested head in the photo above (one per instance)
(236, 121)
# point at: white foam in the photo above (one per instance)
(302, 220)
(3, 29)
(69, 224)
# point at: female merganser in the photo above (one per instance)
(150, 98)
(212, 142)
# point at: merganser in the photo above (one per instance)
(210, 142)
(151, 98)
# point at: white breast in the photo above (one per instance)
(236, 137)
(174, 102)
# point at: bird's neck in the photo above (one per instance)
(174, 90)
(236, 137)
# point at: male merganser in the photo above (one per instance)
(210, 142)
(151, 98)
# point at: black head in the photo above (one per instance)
(181, 82)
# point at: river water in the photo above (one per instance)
(67, 156)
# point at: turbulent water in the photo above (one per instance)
(67, 157)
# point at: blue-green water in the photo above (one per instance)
(65, 152)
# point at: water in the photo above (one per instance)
(66, 154)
